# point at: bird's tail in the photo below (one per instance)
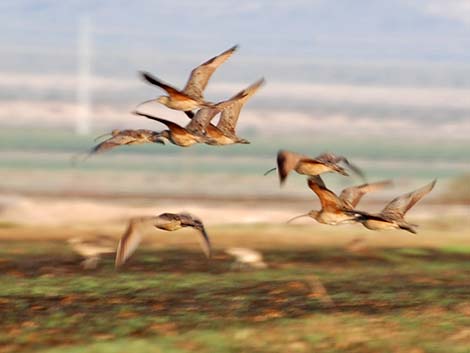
(409, 227)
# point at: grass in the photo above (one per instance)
(385, 299)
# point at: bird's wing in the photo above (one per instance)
(352, 195)
(200, 76)
(214, 132)
(203, 117)
(286, 162)
(172, 92)
(329, 201)
(188, 220)
(398, 207)
(129, 242)
(112, 142)
(171, 125)
(205, 241)
(334, 159)
(230, 113)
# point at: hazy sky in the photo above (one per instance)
(398, 62)
(420, 30)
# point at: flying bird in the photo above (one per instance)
(120, 138)
(393, 215)
(224, 132)
(338, 210)
(176, 134)
(288, 161)
(127, 137)
(132, 237)
(245, 257)
(92, 249)
(191, 97)
(196, 130)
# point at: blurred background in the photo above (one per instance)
(384, 83)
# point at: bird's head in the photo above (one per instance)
(163, 100)
(313, 214)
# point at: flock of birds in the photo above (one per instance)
(200, 129)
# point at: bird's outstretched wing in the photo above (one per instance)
(229, 116)
(398, 207)
(205, 241)
(352, 195)
(203, 117)
(334, 159)
(129, 242)
(172, 92)
(286, 162)
(112, 142)
(200, 76)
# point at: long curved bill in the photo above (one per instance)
(269, 171)
(144, 102)
(101, 136)
(303, 215)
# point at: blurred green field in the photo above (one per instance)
(48, 140)
(44, 163)
(312, 298)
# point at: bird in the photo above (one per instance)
(392, 216)
(195, 130)
(131, 238)
(92, 249)
(326, 162)
(191, 97)
(339, 210)
(120, 138)
(176, 134)
(246, 258)
(224, 132)
(127, 137)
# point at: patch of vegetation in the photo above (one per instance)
(324, 300)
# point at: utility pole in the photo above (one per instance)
(83, 118)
